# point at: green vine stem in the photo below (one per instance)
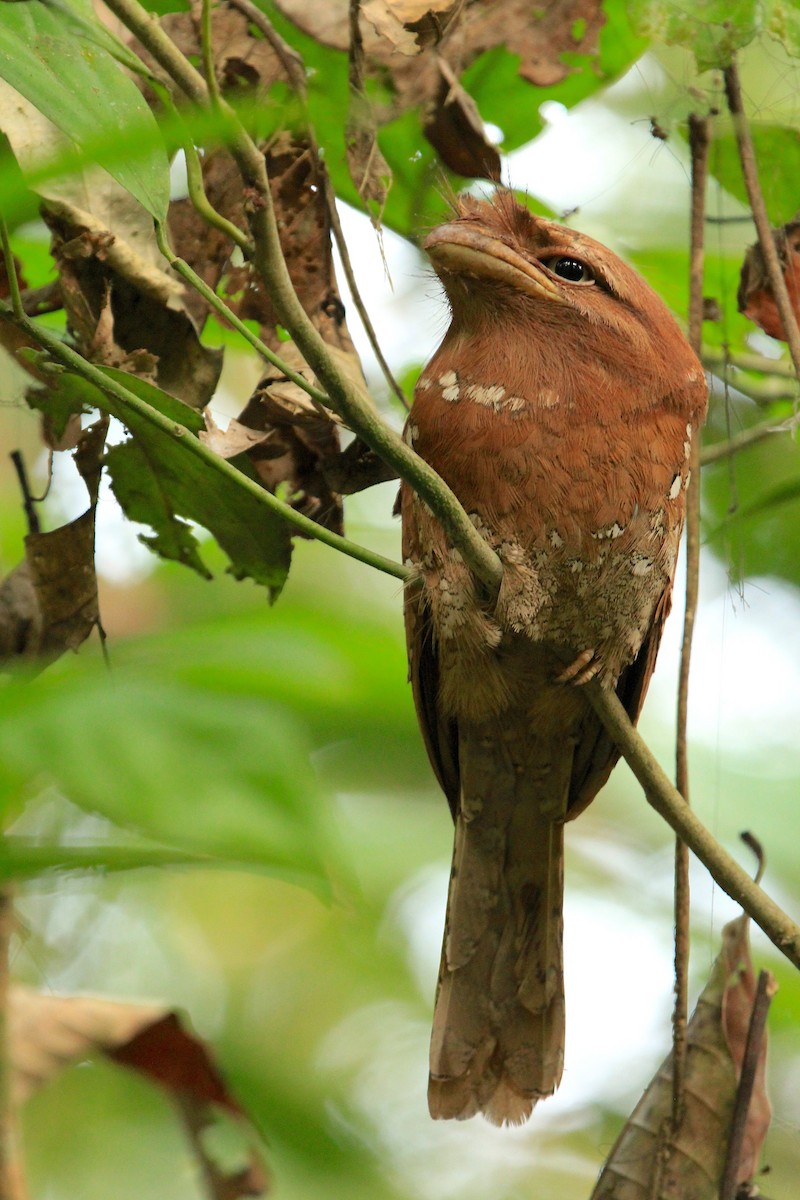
(75, 362)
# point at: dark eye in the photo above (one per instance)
(571, 269)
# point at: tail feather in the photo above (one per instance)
(498, 1029)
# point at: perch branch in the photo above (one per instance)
(348, 400)
(665, 798)
(746, 438)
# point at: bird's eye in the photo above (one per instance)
(571, 269)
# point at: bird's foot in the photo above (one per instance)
(581, 669)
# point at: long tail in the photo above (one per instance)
(498, 1029)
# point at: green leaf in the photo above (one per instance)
(157, 482)
(777, 152)
(712, 29)
(168, 759)
(752, 505)
(76, 84)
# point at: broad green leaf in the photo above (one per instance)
(777, 152)
(231, 779)
(157, 482)
(752, 504)
(77, 85)
(714, 30)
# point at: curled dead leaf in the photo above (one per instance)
(453, 126)
(49, 603)
(648, 1159)
(49, 1033)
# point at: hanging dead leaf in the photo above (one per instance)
(647, 1163)
(453, 126)
(123, 307)
(368, 169)
(236, 439)
(49, 604)
(49, 1033)
(411, 25)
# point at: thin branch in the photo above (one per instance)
(698, 142)
(292, 64)
(11, 269)
(64, 354)
(345, 397)
(765, 990)
(45, 299)
(28, 504)
(202, 204)
(714, 360)
(665, 798)
(746, 438)
(218, 304)
(733, 92)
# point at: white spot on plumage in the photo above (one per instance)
(611, 532)
(423, 383)
(688, 479)
(451, 393)
(555, 539)
(674, 488)
(448, 379)
(548, 398)
(641, 565)
(491, 397)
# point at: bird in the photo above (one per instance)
(755, 296)
(560, 408)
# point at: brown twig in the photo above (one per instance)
(746, 438)
(46, 299)
(733, 92)
(698, 142)
(669, 804)
(765, 990)
(293, 65)
(714, 361)
(28, 504)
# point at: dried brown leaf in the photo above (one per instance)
(236, 439)
(647, 1163)
(124, 313)
(541, 37)
(48, 1033)
(411, 25)
(453, 126)
(368, 169)
(48, 604)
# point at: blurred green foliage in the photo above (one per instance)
(281, 745)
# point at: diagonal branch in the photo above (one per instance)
(665, 798)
